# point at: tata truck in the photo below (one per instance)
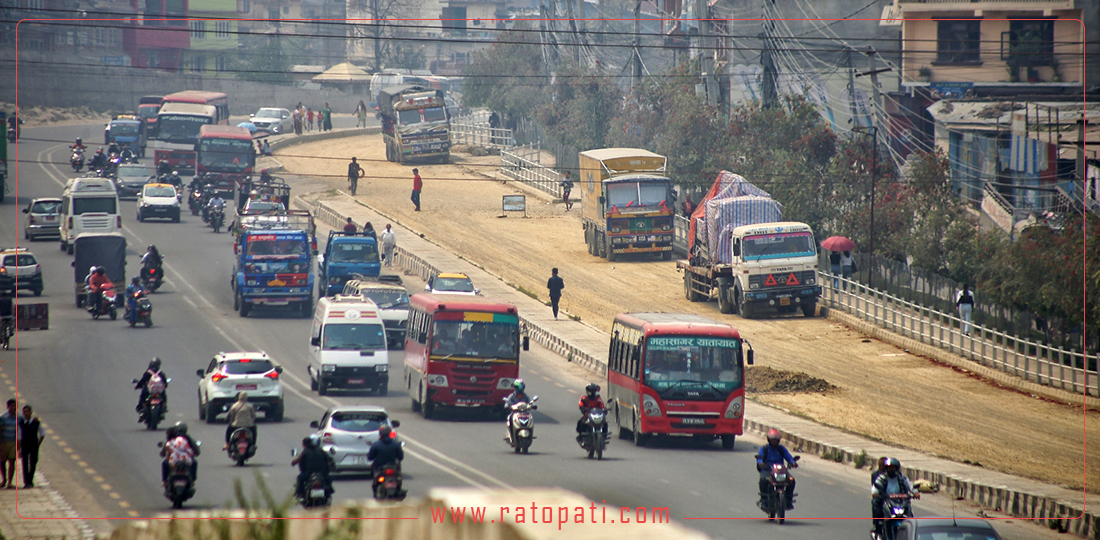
(273, 256)
(346, 255)
(415, 126)
(627, 203)
(128, 131)
(743, 254)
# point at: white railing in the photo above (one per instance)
(680, 230)
(1036, 362)
(473, 130)
(522, 163)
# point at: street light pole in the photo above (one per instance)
(874, 168)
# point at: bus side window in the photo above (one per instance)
(613, 355)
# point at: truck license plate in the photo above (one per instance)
(784, 301)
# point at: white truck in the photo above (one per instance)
(348, 346)
(743, 254)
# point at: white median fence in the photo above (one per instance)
(521, 163)
(473, 130)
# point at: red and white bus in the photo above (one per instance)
(178, 126)
(676, 374)
(460, 351)
(225, 153)
(218, 100)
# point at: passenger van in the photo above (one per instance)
(348, 346)
(88, 205)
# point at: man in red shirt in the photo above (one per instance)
(591, 400)
(417, 185)
(349, 227)
(96, 285)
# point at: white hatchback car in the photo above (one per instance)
(228, 374)
(346, 434)
(158, 201)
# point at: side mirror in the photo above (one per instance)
(748, 359)
(279, 369)
(73, 264)
(526, 343)
(395, 423)
(134, 381)
(477, 291)
(601, 199)
(26, 210)
(315, 425)
(427, 288)
(253, 115)
(315, 341)
(293, 452)
(199, 372)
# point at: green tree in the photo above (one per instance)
(267, 63)
(404, 55)
(508, 77)
(582, 109)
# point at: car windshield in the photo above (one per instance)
(954, 533)
(452, 284)
(354, 337)
(124, 130)
(358, 421)
(498, 339)
(693, 367)
(248, 367)
(19, 260)
(276, 248)
(354, 252)
(46, 207)
(149, 111)
(269, 113)
(637, 194)
(388, 299)
(90, 205)
(133, 172)
(768, 246)
(160, 191)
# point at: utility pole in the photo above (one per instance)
(707, 57)
(771, 93)
(853, 119)
(877, 96)
(636, 58)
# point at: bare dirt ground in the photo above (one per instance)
(880, 391)
(40, 116)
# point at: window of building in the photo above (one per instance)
(221, 63)
(115, 36)
(198, 63)
(453, 21)
(100, 36)
(959, 42)
(36, 4)
(246, 6)
(273, 14)
(198, 29)
(286, 10)
(152, 59)
(1031, 42)
(223, 29)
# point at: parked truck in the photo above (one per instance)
(743, 253)
(347, 254)
(273, 255)
(627, 202)
(415, 126)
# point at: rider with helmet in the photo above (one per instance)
(176, 181)
(134, 291)
(152, 259)
(113, 147)
(78, 144)
(311, 460)
(265, 177)
(889, 483)
(590, 400)
(99, 160)
(385, 451)
(179, 446)
(519, 395)
(153, 372)
(770, 454)
(98, 283)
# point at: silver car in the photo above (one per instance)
(273, 121)
(131, 178)
(346, 434)
(43, 218)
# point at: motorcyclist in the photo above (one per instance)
(99, 160)
(241, 415)
(14, 122)
(134, 291)
(519, 395)
(152, 259)
(164, 168)
(889, 483)
(98, 283)
(311, 460)
(590, 400)
(216, 201)
(770, 454)
(385, 451)
(153, 372)
(78, 144)
(113, 148)
(179, 446)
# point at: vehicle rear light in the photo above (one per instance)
(31, 220)
(70, 223)
(37, 268)
(118, 221)
(217, 377)
(326, 438)
(245, 360)
(272, 374)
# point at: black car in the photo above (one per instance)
(954, 529)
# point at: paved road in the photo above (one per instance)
(78, 374)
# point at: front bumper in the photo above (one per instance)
(160, 211)
(355, 377)
(785, 297)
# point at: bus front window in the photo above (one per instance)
(695, 367)
(472, 339)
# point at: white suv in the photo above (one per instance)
(228, 374)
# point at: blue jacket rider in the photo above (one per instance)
(770, 454)
(131, 299)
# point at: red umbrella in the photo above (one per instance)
(838, 243)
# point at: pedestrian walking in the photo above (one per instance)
(9, 444)
(31, 435)
(349, 227)
(555, 284)
(309, 118)
(834, 267)
(964, 300)
(355, 172)
(847, 266)
(297, 116)
(418, 184)
(361, 114)
(389, 241)
(326, 118)
(566, 189)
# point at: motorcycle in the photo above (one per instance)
(108, 299)
(775, 502)
(179, 487)
(127, 156)
(77, 159)
(314, 493)
(152, 278)
(194, 201)
(594, 437)
(241, 445)
(387, 483)
(217, 218)
(13, 133)
(521, 426)
(895, 509)
(144, 310)
(152, 413)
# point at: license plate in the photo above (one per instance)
(181, 483)
(391, 484)
(784, 301)
(361, 460)
(699, 421)
(357, 381)
(317, 493)
(246, 387)
(51, 218)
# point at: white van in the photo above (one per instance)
(88, 205)
(348, 346)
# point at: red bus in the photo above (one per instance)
(676, 374)
(225, 153)
(460, 351)
(218, 100)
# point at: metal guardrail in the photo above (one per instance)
(470, 130)
(517, 164)
(681, 226)
(1029, 360)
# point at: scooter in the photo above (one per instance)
(217, 218)
(775, 503)
(314, 493)
(594, 437)
(143, 308)
(107, 301)
(241, 445)
(77, 159)
(521, 426)
(152, 278)
(387, 483)
(152, 413)
(895, 509)
(179, 487)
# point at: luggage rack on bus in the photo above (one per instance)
(276, 220)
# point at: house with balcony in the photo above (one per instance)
(214, 37)
(95, 39)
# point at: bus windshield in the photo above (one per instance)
(693, 367)
(354, 337)
(477, 339)
(179, 128)
(229, 155)
(636, 194)
(768, 246)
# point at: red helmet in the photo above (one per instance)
(773, 435)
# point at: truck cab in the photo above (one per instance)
(774, 266)
(347, 254)
(348, 346)
(128, 131)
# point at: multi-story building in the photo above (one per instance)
(96, 38)
(214, 37)
(158, 38)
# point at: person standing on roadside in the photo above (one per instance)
(355, 172)
(555, 284)
(389, 241)
(361, 114)
(31, 435)
(9, 445)
(326, 118)
(566, 189)
(309, 119)
(834, 267)
(297, 117)
(418, 184)
(964, 300)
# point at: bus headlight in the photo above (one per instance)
(649, 406)
(437, 380)
(734, 409)
(505, 383)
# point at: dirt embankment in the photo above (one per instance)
(40, 116)
(880, 391)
